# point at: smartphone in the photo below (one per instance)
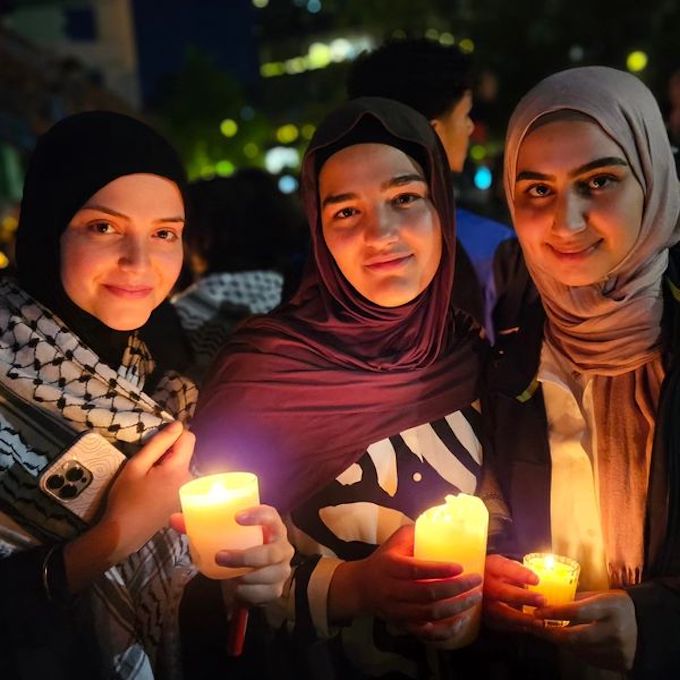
(80, 477)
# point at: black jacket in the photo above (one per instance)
(523, 463)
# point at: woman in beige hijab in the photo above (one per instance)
(585, 383)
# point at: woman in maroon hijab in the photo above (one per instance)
(355, 403)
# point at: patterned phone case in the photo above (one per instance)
(80, 477)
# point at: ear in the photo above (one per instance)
(434, 122)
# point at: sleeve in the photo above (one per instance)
(303, 608)
(34, 595)
(657, 610)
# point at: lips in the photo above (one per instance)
(573, 252)
(387, 262)
(128, 292)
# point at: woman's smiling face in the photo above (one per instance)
(577, 204)
(379, 222)
(122, 251)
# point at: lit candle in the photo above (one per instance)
(209, 505)
(557, 580)
(456, 533)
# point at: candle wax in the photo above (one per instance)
(456, 532)
(209, 505)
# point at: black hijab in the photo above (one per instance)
(297, 396)
(71, 162)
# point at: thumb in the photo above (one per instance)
(401, 541)
(177, 522)
(154, 449)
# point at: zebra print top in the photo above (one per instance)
(389, 486)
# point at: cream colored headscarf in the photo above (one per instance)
(610, 330)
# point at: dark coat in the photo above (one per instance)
(523, 463)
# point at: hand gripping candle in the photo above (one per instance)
(557, 580)
(456, 532)
(209, 505)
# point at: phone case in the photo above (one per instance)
(80, 477)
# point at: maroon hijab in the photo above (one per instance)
(297, 396)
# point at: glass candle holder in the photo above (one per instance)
(210, 505)
(558, 578)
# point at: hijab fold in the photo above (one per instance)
(297, 396)
(610, 331)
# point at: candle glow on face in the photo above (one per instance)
(456, 532)
(210, 505)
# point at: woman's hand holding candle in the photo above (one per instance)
(144, 494)
(602, 630)
(423, 597)
(268, 564)
(505, 594)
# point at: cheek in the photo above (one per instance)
(531, 224)
(342, 246)
(78, 264)
(168, 263)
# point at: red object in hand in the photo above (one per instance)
(237, 630)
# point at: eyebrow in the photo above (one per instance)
(115, 213)
(397, 181)
(592, 165)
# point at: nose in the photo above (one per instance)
(571, 214)
(134, 253)
(470, 126)
(381, 227)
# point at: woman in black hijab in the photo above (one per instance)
(99, 248)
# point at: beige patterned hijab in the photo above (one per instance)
(610, 330)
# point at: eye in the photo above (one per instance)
(538, 190)
(599, 182)
(405, 199)
(345, 213)
(101, 227)
(167, 235)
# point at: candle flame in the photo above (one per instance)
(549, 562)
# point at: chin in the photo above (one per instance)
(395, 298)
(124, 322)
(576, 278)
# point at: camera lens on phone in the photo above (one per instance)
(54, 482)
(68, 491)
(74, 474)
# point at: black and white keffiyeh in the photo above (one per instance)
(45, 366)
(210, 309)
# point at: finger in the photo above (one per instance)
(454, 606)
(582, 635)
(178, 456)
(273, 528)
(258, 594)
(510, 571)
(177, 522)
(412, 569)
(270, 575)
(441, 631)
(498, 590)
(156, 447)
(505, 618)
(401, 541)
(419, 592)
(579, 611)
(256, 557)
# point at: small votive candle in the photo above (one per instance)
(210, 505)
(456, 532)
(557, 580)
